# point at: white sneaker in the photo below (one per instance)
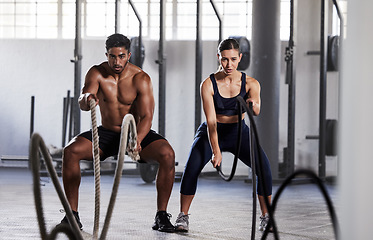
(182, 223)
(263, 222)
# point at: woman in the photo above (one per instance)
(219, 132)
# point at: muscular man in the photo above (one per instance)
(120, 87)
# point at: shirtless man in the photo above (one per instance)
(120, 87)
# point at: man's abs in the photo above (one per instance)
(112, 117)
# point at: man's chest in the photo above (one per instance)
(122, 92)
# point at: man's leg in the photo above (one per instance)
(79, 148)
(162, 152)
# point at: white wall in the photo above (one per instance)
(42, 68)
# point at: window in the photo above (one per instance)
(29, 19)
(56, 18)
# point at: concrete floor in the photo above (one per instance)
(220, 210)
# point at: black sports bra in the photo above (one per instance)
(227, 106)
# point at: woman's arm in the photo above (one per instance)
(207, 93)
(253, 88)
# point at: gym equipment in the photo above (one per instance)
(245, 50)
(137, 52)
(332, 55)
(148, 171)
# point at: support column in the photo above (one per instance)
(356, 118)
(266, 69)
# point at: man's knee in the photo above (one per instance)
(78, 149)
(73, 152)
(69, 151)
(167, 156)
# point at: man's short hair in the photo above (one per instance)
(118, 40)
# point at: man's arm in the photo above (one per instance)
(89, 90)
(144, 105)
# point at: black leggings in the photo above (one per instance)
(201, 153)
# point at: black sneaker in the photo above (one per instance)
(162, 222)
(76, 215)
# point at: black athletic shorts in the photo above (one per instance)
(109, 140)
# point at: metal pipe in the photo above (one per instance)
(32, 115)
(198, 67)
(340, 16)
(322, 110)
(289, 161)
(72, 106)
(219, 19)
(138, 60)
(77, 67)
(117, 16)
(65, 116)
(162, 72)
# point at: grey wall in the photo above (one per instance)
(356, 124)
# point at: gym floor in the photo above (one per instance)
(220, 210)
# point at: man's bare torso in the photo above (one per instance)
(117, 97)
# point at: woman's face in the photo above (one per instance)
(229, 60)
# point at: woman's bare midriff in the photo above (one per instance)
(227, 119)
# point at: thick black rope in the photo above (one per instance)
(271, 208)
(323, 190)
(254, 137)
(252, 158)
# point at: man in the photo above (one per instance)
(120, 87)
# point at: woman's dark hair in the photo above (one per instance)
(118, 40)
(227, 44)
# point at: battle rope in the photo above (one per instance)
(252, 159)
(128, 141)
(37, 143)
(323, 190)
(271, 208)
(96, 167)
(128, 136)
